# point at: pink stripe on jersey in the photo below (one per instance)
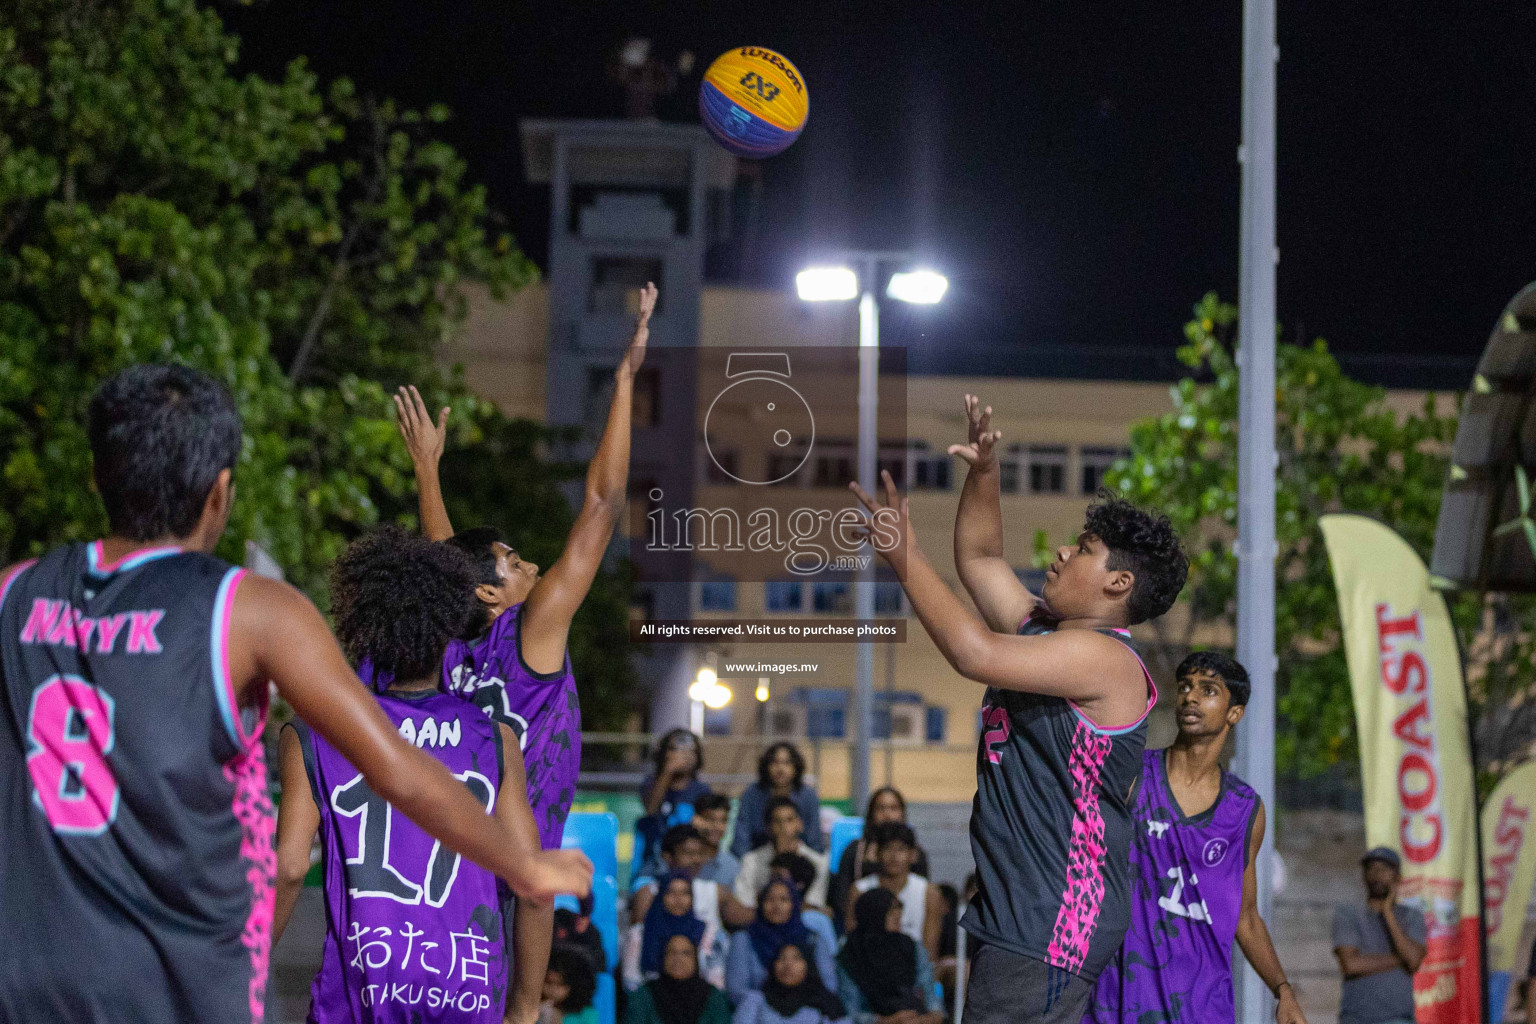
(252, 808)
(1151, 701)
(1084, 895)
(96, 553)
(10, 577)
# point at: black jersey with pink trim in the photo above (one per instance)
(135, 827)
(1051, 825)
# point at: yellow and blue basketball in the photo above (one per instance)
(754, 102)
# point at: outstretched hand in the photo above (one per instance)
(423, 439)
(636, 353)
(981, 438)
(888, 515)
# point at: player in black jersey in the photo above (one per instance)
(1063, 728)
(136, 833)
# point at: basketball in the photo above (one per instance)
(754, 102)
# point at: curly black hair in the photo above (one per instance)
(399, 598)
(1145, 544)
(1231, 671)
(572, 965)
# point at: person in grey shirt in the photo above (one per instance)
(1379, 943)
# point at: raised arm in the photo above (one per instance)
(425, 440)
(979, 557)
(1253, 934)
(533, 920)
(1084, 666)
(276, 634)
(298, 819)
(554, 599)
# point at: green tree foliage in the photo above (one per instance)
(1341, 448)
(306, 245)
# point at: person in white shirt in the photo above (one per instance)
(785, 829)
(683, 851)
(922, 906)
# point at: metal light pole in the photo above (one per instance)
(1256, 451)
(923, 287)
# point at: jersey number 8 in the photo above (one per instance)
(70, 731)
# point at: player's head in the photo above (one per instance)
(785, 825)
(1127, 566)
(711, 815)
(503, 578)
(398, 599)
(795, 869)
(897, 845)
(164, 440)
(781, 766)
(1212, 694)
(683, 849)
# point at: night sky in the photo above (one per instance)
(1071, 165)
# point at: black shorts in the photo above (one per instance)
(1006, 988)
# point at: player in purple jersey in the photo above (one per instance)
(412, 934)
(1063, 728)
(516, 668)
(134, 673)
(1198, 832)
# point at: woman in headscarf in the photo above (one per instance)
(678, 995)
(778, 924)
(671, 913)
(793, 994)
(881, 972)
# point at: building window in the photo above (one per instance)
(827, 596)
(645, 407)
(1008, 471)
(826, 712)
(717, 721)
(617, 279)
(784, 595)
(1096, 462)
(1047, 469)
(933, 725)
(721, 466)
(834, 470)
(893, 460)
(717, 595)
(929, 472)
(781, 464)
(897, 717)
(888, 598)
(639, 507)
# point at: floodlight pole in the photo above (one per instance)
(864, 585)
(1256, 460)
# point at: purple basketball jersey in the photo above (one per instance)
(1187, 894)
(542, 710)
(413, 931)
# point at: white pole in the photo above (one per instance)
(864, 585)
(1256, 450)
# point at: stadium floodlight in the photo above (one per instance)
(703, 685)
(827, 284)
(718, 697)
(920, 286)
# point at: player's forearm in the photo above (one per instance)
(979, 518)
(608, 473)
(285, 897)
(533, 928)
(955, 631)
(1254, 939)
(429, 500)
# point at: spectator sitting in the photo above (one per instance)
(1380, 944)
(780, 773)
(678, 995)
(922, 914)
(944, 967)
(682, 853)
(576, 931)
(883, 973)
(794, 994)
(711, 815)
(569, 985)
(670, 793)
(786, 829)
(860, 859)
(791, 867)
(778, 924)
(671, 913)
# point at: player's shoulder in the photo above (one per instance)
(1238, 788)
